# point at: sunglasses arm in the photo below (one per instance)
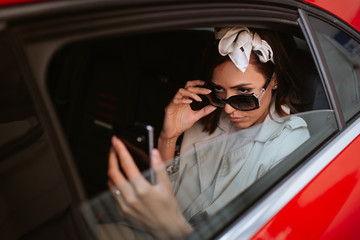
(261, 94)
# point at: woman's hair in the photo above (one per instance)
(288, 90)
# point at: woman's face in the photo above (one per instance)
(230, 81)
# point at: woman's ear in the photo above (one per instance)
(275, 82)
(275, 86)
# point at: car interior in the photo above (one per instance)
(96, 82)
(132, 78)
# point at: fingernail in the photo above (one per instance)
(114, 140)
(156, 157)
(156, 152)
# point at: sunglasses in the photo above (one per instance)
(243, 102)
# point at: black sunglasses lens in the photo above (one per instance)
(215, 100)
(196, 106)
(244, 102)
(239, 102)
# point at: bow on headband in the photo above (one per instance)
(238, 43)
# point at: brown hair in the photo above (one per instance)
(288, 90)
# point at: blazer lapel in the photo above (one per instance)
(209, 153)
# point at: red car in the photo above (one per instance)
(70, 69)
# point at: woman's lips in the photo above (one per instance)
(237, 119)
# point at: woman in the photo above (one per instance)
(227, 144)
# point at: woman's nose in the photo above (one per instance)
(229, 109)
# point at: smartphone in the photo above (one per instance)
(139, 140)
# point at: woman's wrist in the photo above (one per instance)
(167, 138)
(166, 146)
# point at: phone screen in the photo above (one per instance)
(138, 139)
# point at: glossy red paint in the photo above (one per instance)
(347, 10)
(13, 2)
(327, 208)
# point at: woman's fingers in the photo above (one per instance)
(159, 169)
(188, 94)
(126, 161)
(199, 90)
(123, 190)
(126, 199)
(191, 90)
(194, 83)
(182, 101)
(113, 169)
(205, 111)
(183, 95)
(119, 185)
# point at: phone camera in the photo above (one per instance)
(140, 139)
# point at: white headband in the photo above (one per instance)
(238, 43)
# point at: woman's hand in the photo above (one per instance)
(178, 114)
(153, 207)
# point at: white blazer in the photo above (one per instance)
(208, 178)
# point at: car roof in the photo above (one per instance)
(347, 10)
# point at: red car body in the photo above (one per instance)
(330, 202)
(331, 199)
(349, 11)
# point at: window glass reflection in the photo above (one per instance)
(342, 55)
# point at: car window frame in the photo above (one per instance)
(323, 69)
(354, 36)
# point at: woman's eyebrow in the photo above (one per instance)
(233, 87)
(241, 85)
(215, 85)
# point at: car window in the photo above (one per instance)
(107, 221)
(342, 54)
(97, 82)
